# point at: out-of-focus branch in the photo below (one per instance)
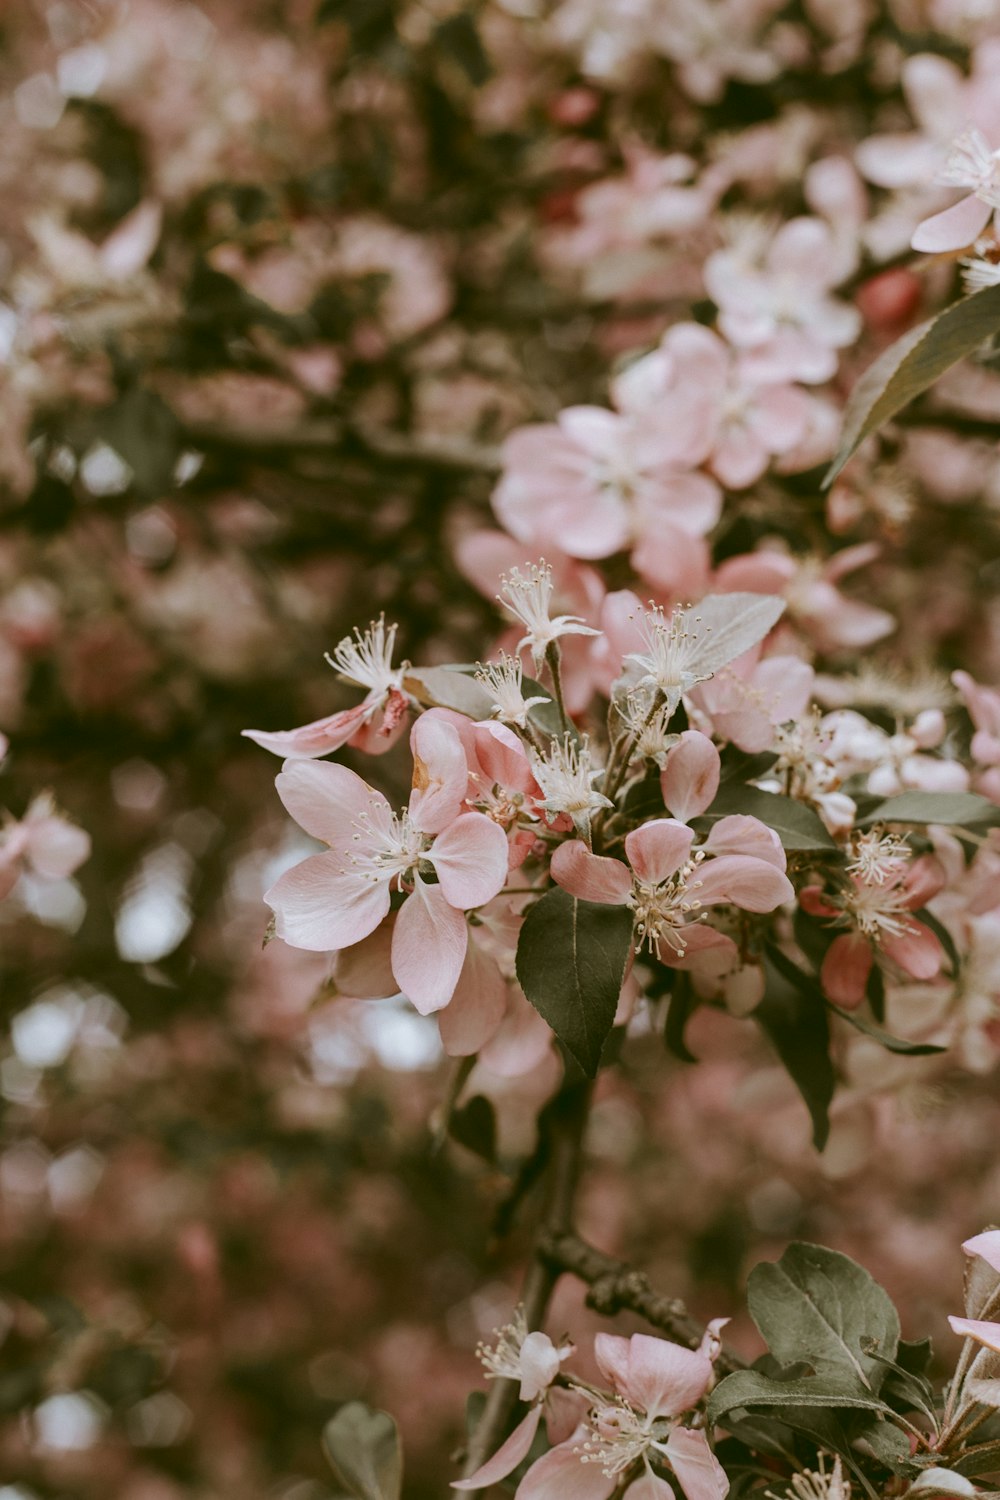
(616, 1286)
(331, 433)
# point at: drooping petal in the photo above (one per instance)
(507, 1457)
(428, 947)
(987, 1334)
(56, 847)
(440, 775)
(470, 858)
(752, 884)
(364, 971)
(475, 1011)
(592, 877)
(918, 952)
(986, 1245)
(320, 906)
(649, 1486)
(662, 1378)
(539, 1360)
(522, 1041)
(658, 849)
(699, 1472)
(501, 759)
(741, 834)
(327, 800)
(954, 229)
(690, 778)
(845, 970)
(707, 951)
(559, 1475)
(310, 740)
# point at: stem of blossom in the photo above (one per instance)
(969, 1350)
(616, 1286)
(566, 1124)
(960, 1429)
(456, 1083)
(553, 660)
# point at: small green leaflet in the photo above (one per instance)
(913, 363)
(571, 959)
(448, 687)
(363, 1447)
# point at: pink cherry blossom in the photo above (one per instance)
(667, 885)
(747, 700)
(832, 620)
(375, 724)
(972, 163)
(44, 842)
(773, 294)
(337, 898)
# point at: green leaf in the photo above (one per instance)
(363, 1447)
(797, 826)
(681, 1006)
(474, 1126)
(885, 1039)
(752, 1388)
(817, 1305)
(571, 959)
(448, 687)
(797, 1027)
(913, 363)
(935, 807)
(741, 766)
(943, 936)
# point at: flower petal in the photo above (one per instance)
(662, 1378)
(987, 1334)
(749, 883)
(690, 777)
(559, 1475)
(440, 775)
(658, 849)
(327, 800)
(428, 947)
(699, 1472)
(507, 1457)
(741, 834)
(470, 858)
(957, 227)
(845, 970)
(320, 906)
(476, 1010)
(918, 952)
(309, 740)
(590, 876)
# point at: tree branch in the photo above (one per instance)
(616, 1287)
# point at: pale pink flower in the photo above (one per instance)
(974, 164)
(654, 1383)
(747, 700)
(528, 597)
(832, 620)
(43, 842)
(884, 887)
(364, 659)
(983, 704)
(772, 289)
(667, 884)
(335, 899)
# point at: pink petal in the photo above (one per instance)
(672, 561)
(327, 800)
(985, 1245)
(470, 858)
(752, 884)
(658, 849)
(476, 1010)
(649, 1486)
(786, 683)
(662, 1378)
(845, 970)
(701, 1475)
(739, 459)
(507, 1457)
(440, 774)
(591, 877)
(56, 847)
(755, 573)
(987, 1334)
(954, 229)
(918, 952)
(539, 1360)
(559, 1475)
(364, 970)
(521, 1042)
(428, 947)
(690, 778)
(740, 834)
(708, 951)
(319, 906)
(501, 758)
(317, 738)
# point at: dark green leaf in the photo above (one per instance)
(817, 1305)
(887, 1443)
(458, 39)
(798, 1030)
(913, 363)
(884, 1038)
(474, 1126)
(984, 1458)
(797, 826)
(644, 799)
(935, 807)
(943, 936)
(680, 1007)
(875, 991)
(571, 959)
(363, 1447)
(740, 767)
